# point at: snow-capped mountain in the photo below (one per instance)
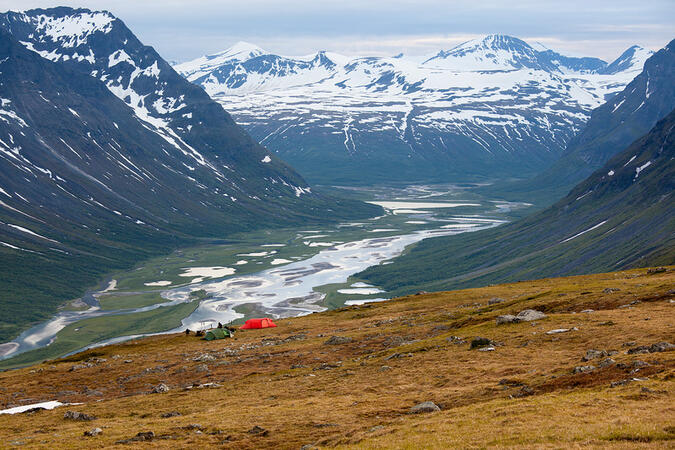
(629, 114)
(108, 156)
(494, 106)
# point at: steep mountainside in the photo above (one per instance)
(489, 107)
(108, 156)
(622, 216)
(612, 127)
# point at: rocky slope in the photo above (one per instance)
(621, 216)
(597, 367)
(107, 156)
(612, 126)
(490, 107)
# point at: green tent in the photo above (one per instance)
(217, 333)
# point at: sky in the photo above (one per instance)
(181, 30)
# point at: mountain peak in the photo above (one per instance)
(68, 26)
(489, 52)
(631, 60)
(243, 50)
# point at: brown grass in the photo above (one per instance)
(357, 402)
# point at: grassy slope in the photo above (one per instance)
(359, 402)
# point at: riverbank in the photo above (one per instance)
(279, 273)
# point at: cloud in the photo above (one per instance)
(185, 29)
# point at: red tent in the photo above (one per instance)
(258, 323)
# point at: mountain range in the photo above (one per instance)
(490, 107)
(108, 156)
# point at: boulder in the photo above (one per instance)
(76, 415)
(593, 354)
(661, 347)
(494, 301)
(480, 342)
(93, 432)
(507, 318)
(560, 330)
(161, 388)
(606, 363)
(424, 407)
(583, 369)
(639, 349)
(528, 315)
(258, 431)
(338, 340)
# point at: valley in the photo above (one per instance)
(282, 272)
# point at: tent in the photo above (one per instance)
(217, 333)
(258, 323)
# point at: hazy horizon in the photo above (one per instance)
(182, 31)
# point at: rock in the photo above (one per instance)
(524, 391)
(204, 358)
(298, 366)
(619, 383)
(75, 415)
(93, 432)
(376, 428)
(327, 366)
(34, 410)
(166, 415)
(637, 350)
(456, 340)
(385, 368)
(202, 368)
(494, 301)
(486, 349)
(424, 407)
(638, 364)
(506, 318)
(561, 330)
(606, 363)
(529, 315)
(479, 342)
(656, 270)
(587, 311)
(610, 290)
(161, 388)
(308, 447)
(193, 426)
(338, 340)
(583, 369)
(661, 347)
(629, 344)
(654, 348)
(258, 431)
(593, 354)
(143, 436)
